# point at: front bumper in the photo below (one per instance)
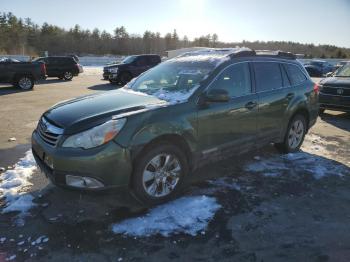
(110, 164)
(334, 102)
(106, 75)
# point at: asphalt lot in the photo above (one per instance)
(272, 207)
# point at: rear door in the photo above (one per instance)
(4, 71)
(228, 128)
(271, 84)
(153, 60)
(51, 66)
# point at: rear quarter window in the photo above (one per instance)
(296, 76)
(154, 60)
(267, 76)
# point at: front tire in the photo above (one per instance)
(113, 82)
(294, 136)
(159, 174)
(25, 82)
(125, 78)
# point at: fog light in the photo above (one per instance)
(83, 182)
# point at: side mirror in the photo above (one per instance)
(217, 95)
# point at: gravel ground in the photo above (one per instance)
(267, 207)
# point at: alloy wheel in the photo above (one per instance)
(296, 134)
(161, 175)
(25, 83)
(68, 75)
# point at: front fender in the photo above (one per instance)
(182, 129)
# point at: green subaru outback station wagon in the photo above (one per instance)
(186, 112)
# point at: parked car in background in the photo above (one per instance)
(335, 90)
(318, 68)
(21, 74)
(10, 60)
(340, 64)
(177, 116)
(63, 67)
(130, 67)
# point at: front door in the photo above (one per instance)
(228, 128)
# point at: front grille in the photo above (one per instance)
(337, 91)
(49, 132)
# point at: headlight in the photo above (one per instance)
(95, 136)
(113, 70)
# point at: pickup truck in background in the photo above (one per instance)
(21, 74)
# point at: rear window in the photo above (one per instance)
(267, 76)
(295, 74)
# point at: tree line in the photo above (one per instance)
(23, 36)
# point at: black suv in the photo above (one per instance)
(129, 68)
(63, 67)
(335, 91)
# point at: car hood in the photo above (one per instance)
(336, 81)
(88, 111)
(113, 66)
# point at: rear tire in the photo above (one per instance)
(24, 82)
(113, 82)
(294, 136)
(67, 76)
(159, 174)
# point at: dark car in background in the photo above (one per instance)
(21, 74)
(178, 116)
(63, 67)
(129, 68)
(318, 68)
(335, 90)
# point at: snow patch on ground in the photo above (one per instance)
(312, 160)
(13, 183)
(187, 215)
(93, 70)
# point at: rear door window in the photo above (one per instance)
(295, 74)
(267, 76)
(235, 80)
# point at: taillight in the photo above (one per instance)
(316, 88)
(43, 68)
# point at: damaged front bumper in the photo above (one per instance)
(104, 167)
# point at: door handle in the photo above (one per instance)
(290, 96)
(251, 105)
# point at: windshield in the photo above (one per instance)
(129, 59)
(344, 71)
(173, 81)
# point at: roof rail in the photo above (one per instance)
(282, 54)
(242, 52)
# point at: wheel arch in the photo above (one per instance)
(174, 139)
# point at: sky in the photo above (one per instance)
(305, 21)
